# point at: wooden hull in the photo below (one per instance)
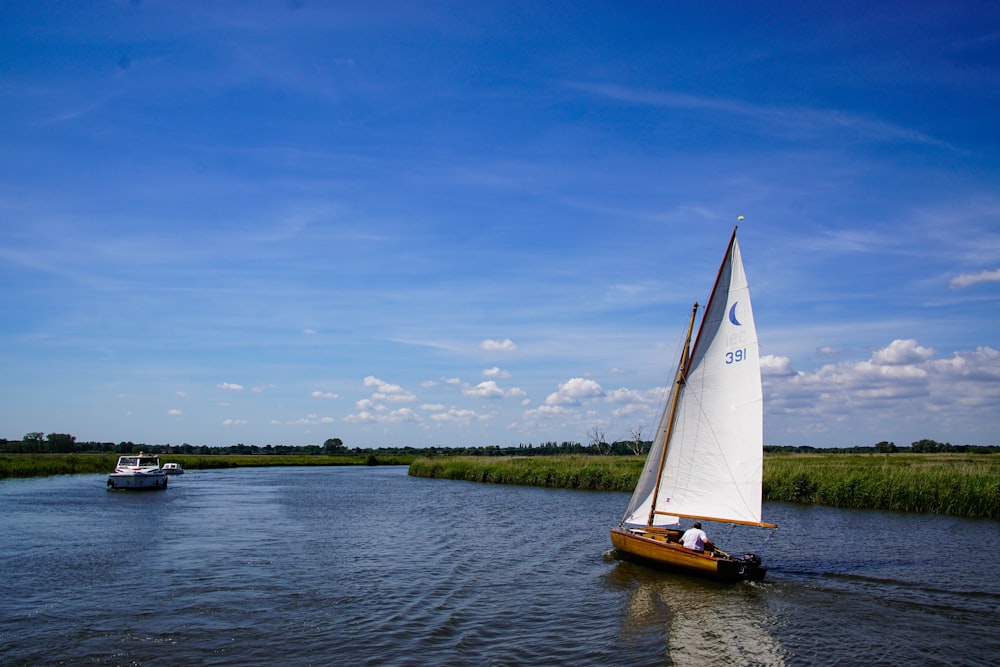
(655, 549)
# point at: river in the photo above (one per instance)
(368, 566)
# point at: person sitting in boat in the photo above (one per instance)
(696, 539)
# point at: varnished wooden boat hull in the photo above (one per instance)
(654, 549)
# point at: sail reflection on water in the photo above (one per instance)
(700, 622)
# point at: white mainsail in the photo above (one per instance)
(714, 455)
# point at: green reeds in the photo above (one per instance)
(956, 484)
(600, 473)
(42, 465)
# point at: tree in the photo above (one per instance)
(597, 440)
(334, 446)
(61, 443)
(635, 446)
(886, 447)
(921, 446)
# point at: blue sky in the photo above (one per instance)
(464, 223)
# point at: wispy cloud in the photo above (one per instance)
(970, 279)
(793, 119)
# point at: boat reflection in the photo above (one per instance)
(704, 622)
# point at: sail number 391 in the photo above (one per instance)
(736, 356)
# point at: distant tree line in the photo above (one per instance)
(886, 447)
(64, 443)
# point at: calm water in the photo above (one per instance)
(355, 566)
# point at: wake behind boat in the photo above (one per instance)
(138, 472)
(706, 461)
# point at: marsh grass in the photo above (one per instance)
(42, 465)
(956, 484)
(601, 473)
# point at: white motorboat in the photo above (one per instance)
(138, 472)
(172, 469)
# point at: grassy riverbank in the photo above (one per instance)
(41, 465)
(956, 484)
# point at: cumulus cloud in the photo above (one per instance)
(902, 352)
(311, 419)
(574, 391)
(970, 279)
(233, 422)
(324, 394)
(505, 345)
(772, 365)
(174, 413)
(496, 372)
(546, 411)
(490, 389)
(458, 416)
(388, 392)
(230, 386)
(901, 388)
(383, 416)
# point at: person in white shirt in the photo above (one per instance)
(695, 538)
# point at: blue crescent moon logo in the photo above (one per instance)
(732, 315)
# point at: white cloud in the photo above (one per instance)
(233, 422)
(969, 279)
(230, 386)
(324, 394)
(902, 352)
(458, 416)
(262, 388)
(368, 417)
(505, 345)
(174, 413)
(363, 417)
(312, 419)
(496, 372)
(573, 391)
(902, 389)
(546, 411)
(388, 392)
(772, 365)
(488, 389)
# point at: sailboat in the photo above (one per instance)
(706, 460)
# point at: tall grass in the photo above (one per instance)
(956, 484)
(611, 473)
(41, 465)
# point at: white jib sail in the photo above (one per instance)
(714, 459)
